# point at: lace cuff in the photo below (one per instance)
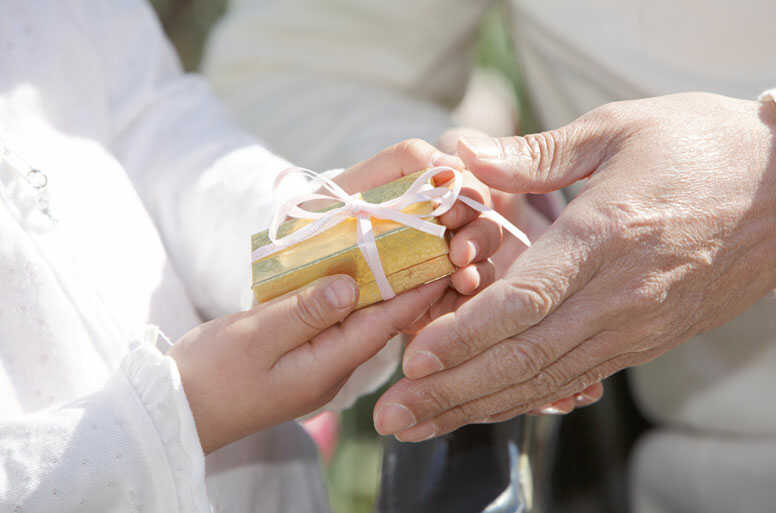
(157, 383)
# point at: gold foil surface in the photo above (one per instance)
(409, 257)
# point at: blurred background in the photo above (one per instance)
(589, 471)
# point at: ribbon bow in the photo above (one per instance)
(421, 190)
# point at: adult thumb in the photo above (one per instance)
(536, 163)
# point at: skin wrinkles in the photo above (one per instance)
(672, 235)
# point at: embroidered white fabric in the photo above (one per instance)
(157, 385)
(156, 193)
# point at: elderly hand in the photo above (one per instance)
(475, 271)
(674, 234)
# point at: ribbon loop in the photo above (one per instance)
(421, 190)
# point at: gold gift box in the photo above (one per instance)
(409, 257)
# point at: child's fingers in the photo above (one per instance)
(338, 351)
(392, 163)
(473, 278)
(293, 319)
(458, 216)
(462, 214)
(475, 242)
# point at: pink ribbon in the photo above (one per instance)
(421, 190)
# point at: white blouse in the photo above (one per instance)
(154, 194)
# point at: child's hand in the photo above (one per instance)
(287, 357)
(476, 238)
(474, 248)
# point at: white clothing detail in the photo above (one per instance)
(156, 194)
(158, 386)
(330, 63)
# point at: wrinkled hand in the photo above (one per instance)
(673, 235)
(477, 248)
(533, 221)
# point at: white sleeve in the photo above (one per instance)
(130, 447)
(207, 185)
(330, 84)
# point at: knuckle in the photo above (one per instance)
(602, 371)
(468, 412)
(415, 151)
(631, 224)
(516, 360)
(547, 383)
(432, 398)
(621, 115)
(576, 386)
(448, 141)
(608, 113)
(596, 374)
(527, 303)
(543, 149)
(469, 342)
(616, 122)
(648, 294)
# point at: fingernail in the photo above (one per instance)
(483, 147)
(471, 251)
(422, 364)
(583, 398)
(462, 255)
(395, 417)
(341, 293)
(561, 407)
(419, 434)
